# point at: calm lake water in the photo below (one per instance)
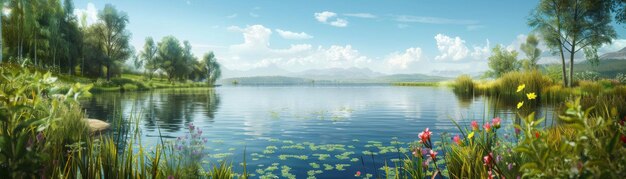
(357, 127)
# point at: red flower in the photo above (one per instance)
(425, 135)
(517, 131)
(474, 125)
(487, 127)
(537, 134)
(496, 122)
(358, 174)
(623, 138)
(457, 139)
(433, 154)
(487, 159)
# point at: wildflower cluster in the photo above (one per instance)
(191, 147)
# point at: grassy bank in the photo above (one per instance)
(45, 135)
(123, 83)
(600, 93)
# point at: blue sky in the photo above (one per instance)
(386, 36)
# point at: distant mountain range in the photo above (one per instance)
(610, 64)
(618, 55)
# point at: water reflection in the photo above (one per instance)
(167, 109)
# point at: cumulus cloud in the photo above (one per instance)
(330, 18)
(361, 15)
(324, 16)
(617, 45)
(454, 49)
(90, 13)
(255, 51)
(451, 48)
(293, 35)
(398, 60)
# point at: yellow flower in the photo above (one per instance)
(520, 104)
(531, 95)
(470, 135)
(521, 87)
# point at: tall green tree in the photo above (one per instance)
(147, 55)
(532, 52)
(170, 56)
(502, 61)
(567, 26)
(113, 37)
(213, 71)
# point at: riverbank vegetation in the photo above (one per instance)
(48, 36)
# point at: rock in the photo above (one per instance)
(96, 125)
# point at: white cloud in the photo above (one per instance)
(293, 35)
(232, 16)
(255, 51)
(90, 13)
(252, 14)
(481, 52)
(339, 22)
(327, 16)
(361, 15)
(434, 20)
(451, 48)
(324, 16)
(398, 60)
(617, 44)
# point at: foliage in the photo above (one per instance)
(464, 85)
(502, 61)
(532, 52)
(621, 77)
(588, 75)
(567, 26)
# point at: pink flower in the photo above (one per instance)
(496, 122)
(424, 151)
(425, 135)
(433, 154)
(170, 177)
(487, 159)
(517, 131)
(457, 139)
(474, 125)
(358, 174)
(487, 127)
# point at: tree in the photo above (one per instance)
(212, 68)
(169, 56)
(147, 55)
(567, 26)
(531, 51)
(502, 61)
(113, 37)
(619, 8)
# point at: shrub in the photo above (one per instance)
(587, 75)
(464, 85)
(129, 87)
(621, 77)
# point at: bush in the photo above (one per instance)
(587, 75)
(129, 87)
(621, 77)
(464, 85)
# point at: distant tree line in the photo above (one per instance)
(47, 34)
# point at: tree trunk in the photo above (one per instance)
(108, 72)
(571, 65)
(564, 74)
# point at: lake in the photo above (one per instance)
(307, 128)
